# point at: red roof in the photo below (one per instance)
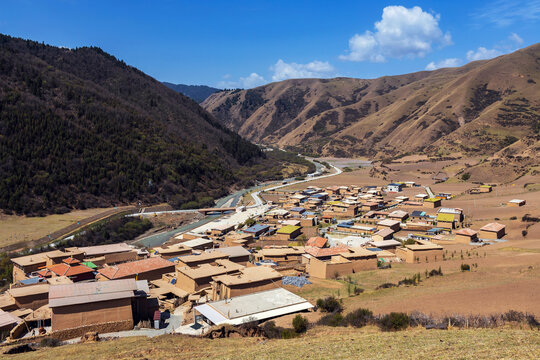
(71, 261)
(466, 232)
(322, 252)
(136, 267)
(68, 270)
(316, 241)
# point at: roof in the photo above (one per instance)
(105, 249)
(257, 228)
(385, 243)
(432, 199)
(66, 270)
(388, 222)
(450, 210)
(418, 213)
(256, 306)
(445, 217)
(207, 270)
(384, 232)
(288, 229)
(356, 252)
(84, 293)
(90, 264)
(172, 248)
(297, 209)
(281, 251)
(398, 213)
(232, 251)
(213, 255)
(197, 242)
(423, 247)
(29, 290)
(316, 241)
(466, 232)
(135, 267)
(31, 259)
(7, 319)
(250, 274)
(493, 227)
(324, 252)
(516, 201)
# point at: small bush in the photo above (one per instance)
(335, 319)
(329, 304)
(465, 176)
(513, 218)
(394, 321)
(272, 331)
(359, 317)
(49, 342)
(385, 286)
(288, 334)
(465, 267)
(300, 324)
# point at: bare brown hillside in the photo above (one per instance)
(477, 109)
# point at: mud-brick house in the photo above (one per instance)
(492, 231)
(466, 236)
(248, 281)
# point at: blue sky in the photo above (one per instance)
(249, 43)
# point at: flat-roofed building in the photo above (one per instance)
(30, 296)
(237, 254)
(288, 232)
(388, 245)
(516, 202)
(94, 306)
(202, 258)
(237, 239)
(394, 225)
(331, 263)
(193, 279)
(247, 281)
(170, 251)
(492, 231)
(421, 252)
(199, 244)
(432, 203)
(257, 230)
(281, 255)
(258, 306)
(146, 269)
(101, 250)
(383, 234)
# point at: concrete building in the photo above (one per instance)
(516, 202)
(249, 280)
(146, 269)
(492, 231)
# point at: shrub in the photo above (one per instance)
(300, 324)
(385, 286)
(335, 319)
(329, 304)
(288, 334)
(394, 321)
(513, 218)
(359, 317)
(465, 267)
(272, 331)
(49, 342)
(465, 176)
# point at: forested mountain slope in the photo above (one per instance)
(480, 108)
(79, 128)
(196, 92)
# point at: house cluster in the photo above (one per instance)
(219, 273)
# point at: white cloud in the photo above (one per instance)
(482, 54)
(516, 38)
(401, 32)
(451, 62)
(314, 69)
(248, 82)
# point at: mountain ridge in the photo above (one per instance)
(426, 111)
(199, 93)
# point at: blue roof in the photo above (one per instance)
(394, 184)
(345, 225)
(434, 230)
(257, 228)
(318, 195)
(297, 209)
(310, 213)
(33, 280)
(418, 213)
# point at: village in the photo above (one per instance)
(247, 265)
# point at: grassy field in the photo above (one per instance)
(319, 343)
(15, 228)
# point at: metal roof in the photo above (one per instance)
(83, 293)
(256, 306)
(256, 228)
(105, 249)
